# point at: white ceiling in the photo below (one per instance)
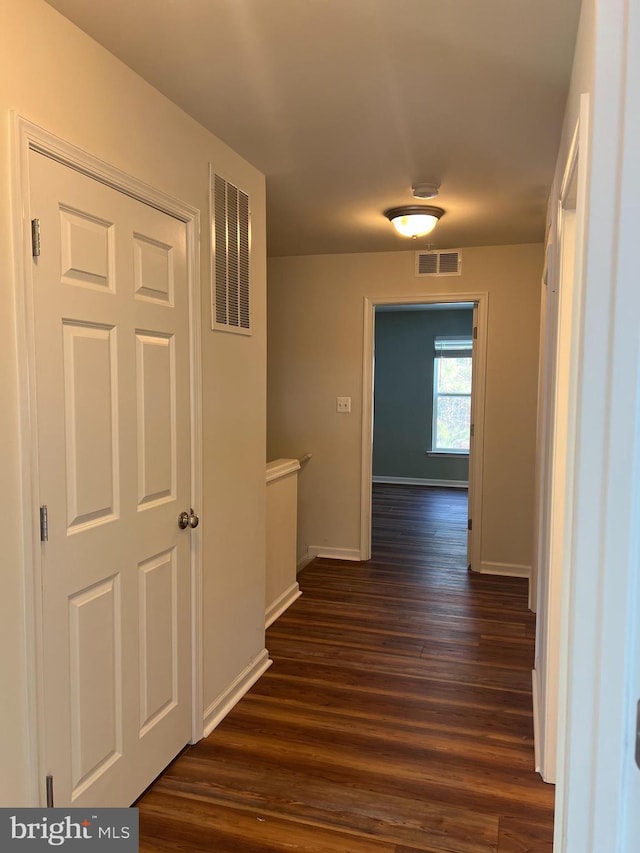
(344, 104)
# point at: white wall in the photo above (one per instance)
(57, 77)
(598, 781)
(282, 512)
(315, 322)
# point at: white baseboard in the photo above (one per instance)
(281, 603)
(536, 722)
(222, 704)
(334, 553)
(509, 570)
(416, 481)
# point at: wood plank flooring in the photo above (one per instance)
(396, 717)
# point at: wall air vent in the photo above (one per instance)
(447, 262)
(230, 256)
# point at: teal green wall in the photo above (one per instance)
(403, 392)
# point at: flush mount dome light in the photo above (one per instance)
(414, 220)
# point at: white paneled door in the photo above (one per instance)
(113, 432)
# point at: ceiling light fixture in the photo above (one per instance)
(414, 220)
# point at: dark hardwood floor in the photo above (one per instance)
(396, 717)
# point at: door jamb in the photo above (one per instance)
(26, 137)
(481, 299)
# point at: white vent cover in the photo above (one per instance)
(230, 247)
(447, 262)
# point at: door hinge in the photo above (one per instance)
(35, 238)
(475, 332)
(472, 430)
(49, 784)
(44, 524)
(469, 524)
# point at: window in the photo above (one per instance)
(451, 395)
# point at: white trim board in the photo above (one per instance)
(281, 468)
(507, 570)
(282, 603)
(229, 698)
(334, 553)
(27, 137)
(417, 481)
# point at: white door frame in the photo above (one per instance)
(479, 371)
(27, 137)
(555, 464)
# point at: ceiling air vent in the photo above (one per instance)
(230, 267)
(448, 262)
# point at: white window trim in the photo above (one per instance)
(447, 453)
(435, 450)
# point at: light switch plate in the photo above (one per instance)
(343, 405)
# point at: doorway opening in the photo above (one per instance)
(420, 436)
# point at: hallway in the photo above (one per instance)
(396, 717)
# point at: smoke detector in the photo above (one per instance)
(425, 190)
